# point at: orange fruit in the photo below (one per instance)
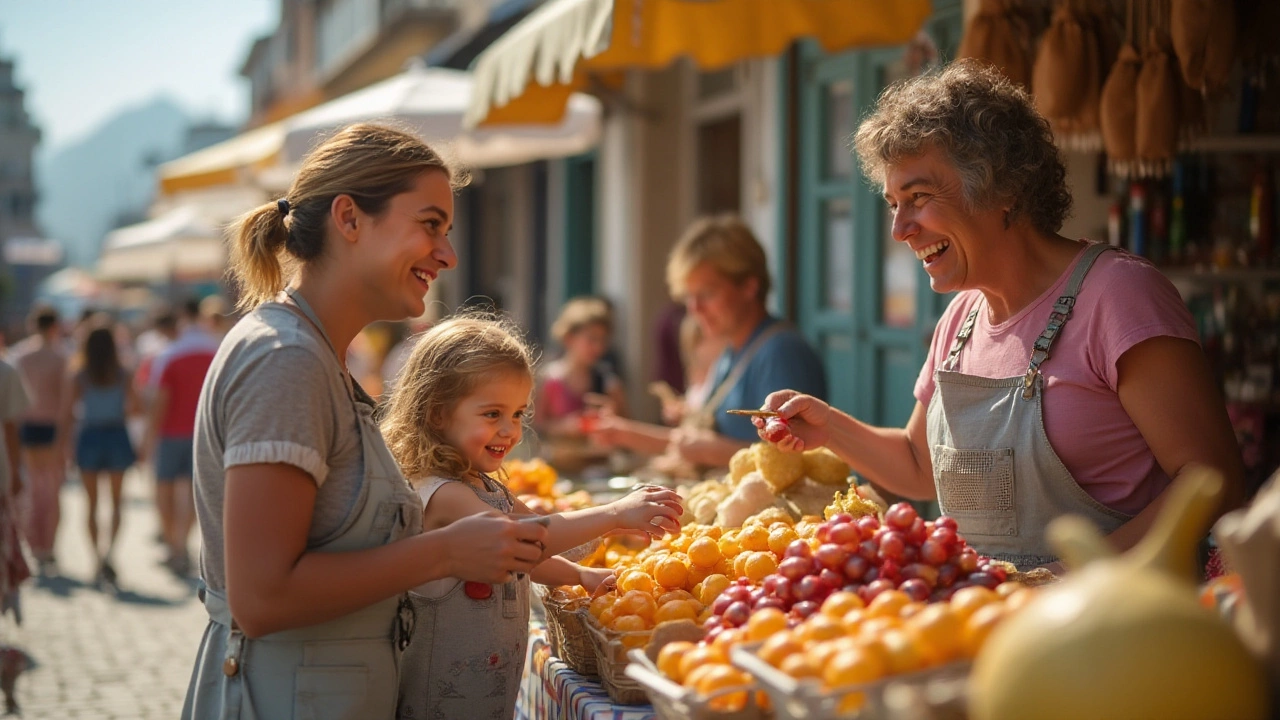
(979, 626)
(636, 602)
(728, 544)
(606, 618)
(740, 563)
(728, 638)
(722, 568)
(801, 665)
(712, 531)
(723, 677)
(888, 604)
(852, 621)
(1005, 589)
(759, 565)
(694, 675)
(764, 623)
(670, 572)
(778, 647)
(702, 655)
(669, 659)
(676, 610)
(853, 666)
(697, 574)
(839, 604)
(630, 623)
(678, 594)
(910, 609)
(705, 552)
(754, 537)
(598, 605)
(819, 628)
(636, 580)
(822, 652)
(967, 600)
(903, 653)
(873, 627)
(681, 543)
(937, 628)
(780, 537)
(712, 586)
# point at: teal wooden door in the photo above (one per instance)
(863, 299)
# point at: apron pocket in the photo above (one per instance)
(330, 693)
(976, 487)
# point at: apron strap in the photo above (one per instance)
(705, 416)
(1058, 318)
(962, 337)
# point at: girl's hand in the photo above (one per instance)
(650, 509)
(802, 421)
(597, 580)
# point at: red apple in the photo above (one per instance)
(947, 522)
(798, 548)
(737, 614)
(933, 552)
(794, 568)
(916, 589)
(844, 534)
(900, 516)
(804, 609)
(831, 556)
(776, 429)
(855, 567)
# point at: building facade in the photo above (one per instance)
(28, 258)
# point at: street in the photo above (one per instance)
(98, 655)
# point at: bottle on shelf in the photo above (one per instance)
(1261, 230)
(1137, 219)
(1177, 214)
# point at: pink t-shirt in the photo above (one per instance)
(1124, 301)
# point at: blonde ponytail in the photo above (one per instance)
(257, 240)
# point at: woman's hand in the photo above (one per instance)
(804, 425)
(597, 579)
(489, 547)
(650, 509)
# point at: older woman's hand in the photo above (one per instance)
(805, 416)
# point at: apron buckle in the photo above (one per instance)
(1029, 383)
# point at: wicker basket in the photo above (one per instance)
(611, 662)
(673, 702)
(933, 694)
(567, 631)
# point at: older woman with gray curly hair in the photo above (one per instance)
(1065, 376)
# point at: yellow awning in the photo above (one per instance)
(527, 74)
(225, 163)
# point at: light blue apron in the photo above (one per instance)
(344, 669)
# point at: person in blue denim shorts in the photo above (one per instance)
(103, 392)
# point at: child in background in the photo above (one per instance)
(458, 409)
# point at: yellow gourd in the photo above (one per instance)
(1122, 636)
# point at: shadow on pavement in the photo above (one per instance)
(135, 598)
(59, 585)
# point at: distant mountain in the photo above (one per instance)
(92, 186)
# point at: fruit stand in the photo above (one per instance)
(857, 612)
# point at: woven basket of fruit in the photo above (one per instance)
(611, 662)
(567, 630)
(935, 693)
(725, 699)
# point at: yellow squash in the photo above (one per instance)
(1123, 637)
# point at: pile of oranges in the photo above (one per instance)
(680, 576)
(530, 477)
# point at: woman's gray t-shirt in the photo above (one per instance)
(275, 394)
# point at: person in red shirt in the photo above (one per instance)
(176, 377)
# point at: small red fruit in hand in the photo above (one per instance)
(776, 430)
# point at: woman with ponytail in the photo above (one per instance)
(311, 535)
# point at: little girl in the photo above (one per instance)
(458, 409)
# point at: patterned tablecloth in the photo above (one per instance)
(551, 691)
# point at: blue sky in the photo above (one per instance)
(82, 61)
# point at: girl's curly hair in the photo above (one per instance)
(448, 362)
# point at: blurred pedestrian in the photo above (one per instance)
(311, 534)
(175, 379)
(41, 361)
(102, 390)
(13, 568)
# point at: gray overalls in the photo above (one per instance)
(344, 669)
(467, 658)
(993, 467)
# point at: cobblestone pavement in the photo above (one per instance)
(108, 655)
